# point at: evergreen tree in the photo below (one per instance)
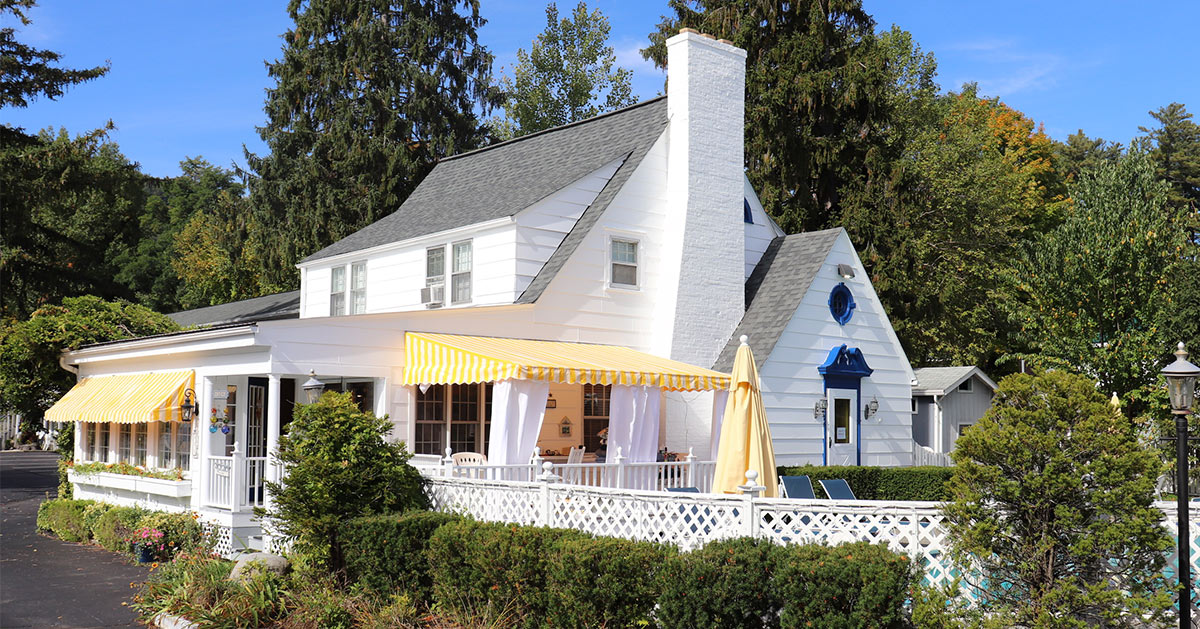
(1081, 153)
(817, 86)
(567, 75)
(368, 95)
(1176, 152)
(27, 73)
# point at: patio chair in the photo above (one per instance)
(469, 458)
(684, 490)
(575, 455)
(797, 487)
(838, 489)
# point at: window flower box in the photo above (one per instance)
(138, 484)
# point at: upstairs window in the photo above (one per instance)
(358, 288)
(460, 279)
(747, 214)
(965, 386)
(624, 263)
(435, 265)
(337, 292)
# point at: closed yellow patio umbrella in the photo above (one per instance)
(745, 437)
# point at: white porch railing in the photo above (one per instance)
(618, 474)
(218, 482)
(256, 470)
(692, 520)
(927, 456)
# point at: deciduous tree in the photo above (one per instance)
(367, 95)
(569, 74)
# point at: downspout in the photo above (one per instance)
(65, 366)
(937, 409)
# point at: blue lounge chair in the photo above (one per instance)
(837, 489)
(684, 490)
(798, 487)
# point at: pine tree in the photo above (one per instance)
(27, 73)
(367, 96)
(567, 75)
(1176, 152)
(817, 102)
(1080, 153)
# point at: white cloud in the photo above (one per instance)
(1004, 69)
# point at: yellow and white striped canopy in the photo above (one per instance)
(124, 399)
(454, 359)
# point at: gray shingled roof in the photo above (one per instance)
(277, 306)
(774, 291)
(503, 179)
(931, 379)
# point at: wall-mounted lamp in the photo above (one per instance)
(819, 409)
(313, 387)
(872, 408)
(551, 402)
(187, 410)
(846, 271)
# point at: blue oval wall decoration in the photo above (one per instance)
(841, 303)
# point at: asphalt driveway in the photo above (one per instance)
(45, 582)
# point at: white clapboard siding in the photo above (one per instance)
(760, 233)
(792, 385)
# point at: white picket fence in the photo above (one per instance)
(692, 520)
(927, 456)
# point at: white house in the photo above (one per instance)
(534, 292)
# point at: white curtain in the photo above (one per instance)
(518, 408)
(633, 420)
(720, 399)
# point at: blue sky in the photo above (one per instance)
(187, 78)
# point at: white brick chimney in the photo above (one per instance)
(704, 252)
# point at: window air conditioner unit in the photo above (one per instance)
(433, 295)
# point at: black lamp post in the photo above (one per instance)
(1181, 387)
(312, 387)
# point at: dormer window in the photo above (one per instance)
(624, 263)
(352, 294)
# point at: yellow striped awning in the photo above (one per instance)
(124, 399)
(454, 359)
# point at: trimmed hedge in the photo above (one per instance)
(604, 582)
(387, 553)
(852, 585)
(114, 527)
(724, 584)
(92, 514)
(496, 568)
(880, 483)
(64, 518)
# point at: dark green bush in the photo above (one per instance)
(724, 584)
(387, 553)
(64, 518)
(852, 585)
(493, 571)
(880, 483)
(115, 526)
(604, 582)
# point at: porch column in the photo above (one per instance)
(202, 443)
(271, 471)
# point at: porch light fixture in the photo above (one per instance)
(551, 402)
(312, 387)
(1181, 388)
(872, 408)
(846, 271)
(187, 410)
(819, 408)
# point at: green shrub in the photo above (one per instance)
(724, 584)
(493, 571)
(604, 582)
(64, 518)
(91, 515)
(181, 531)
(880, 483)
(387, 553)
(115, 526)
(852, 585)
(65, 489)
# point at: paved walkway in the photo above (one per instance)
(45, 582)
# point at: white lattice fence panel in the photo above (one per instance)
(492, 501)
(649, 516)
(1171, 513)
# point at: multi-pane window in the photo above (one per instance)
(460, 278)
(102, 441)
(125, 443)
(464, 418)
(435, 265)
(358, 288)
(231, 403)
(431, 420)
(166, 445)
(624, 263)
(595, 414)
(337, 291)
(140, 435)
(89, 440)
(183, 446)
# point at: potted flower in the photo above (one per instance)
(148, 544)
